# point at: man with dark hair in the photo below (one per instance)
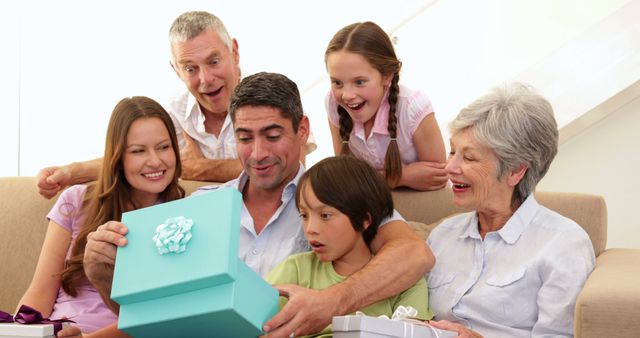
(270, 129)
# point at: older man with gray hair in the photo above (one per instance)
(207, 60)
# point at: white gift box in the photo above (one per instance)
(17, 330)
(374, 327)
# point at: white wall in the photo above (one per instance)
(9, 92)
(71, 61)
(604, 160)
(78, 58)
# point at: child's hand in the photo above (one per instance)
(424, 176)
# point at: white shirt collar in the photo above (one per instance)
(514, 227)
(288, 191)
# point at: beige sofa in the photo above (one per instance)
(609, 305)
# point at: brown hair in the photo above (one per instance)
(373, 43)
(110, 196)
(352, 186)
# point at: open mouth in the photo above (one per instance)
(154, 175)
(356, 106)
(458, 186)
(316, 245)
(213, 93)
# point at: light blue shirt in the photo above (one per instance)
(520, 281)
(282, 236)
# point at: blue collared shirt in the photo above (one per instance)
(282, 236)
(520, 281)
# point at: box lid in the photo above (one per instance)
(211, 255)
(26, 330)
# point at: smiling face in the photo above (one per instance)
(268, 146)
(331, 234)
(472, 169)
(356, 85)
(209, 69)
(149, 160)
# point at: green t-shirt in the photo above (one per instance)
(305, 269)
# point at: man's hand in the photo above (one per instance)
(424, 176)
(51, 180)
(189, 155)
(462, 330)
(199, 168)
(307, 311)
(100, 257)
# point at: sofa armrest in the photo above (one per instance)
(608, 303)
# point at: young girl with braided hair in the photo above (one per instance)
(374, 118)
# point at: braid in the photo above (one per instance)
(346, 125)
(392, 160)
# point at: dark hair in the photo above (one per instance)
(352, 186)
(268, 89)
(373, 43)
(110, 196)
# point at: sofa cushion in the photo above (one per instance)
(23, 225)
(590, 211)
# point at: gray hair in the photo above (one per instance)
(271, 90)
(518, 124)
(191, 24)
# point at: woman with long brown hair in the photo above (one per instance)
(141, 168)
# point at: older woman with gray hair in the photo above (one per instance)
(511, 267)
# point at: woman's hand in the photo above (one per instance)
(462, 330)
(70, 332)
(100, 258)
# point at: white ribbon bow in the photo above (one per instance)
(406, 315)
(401, 313)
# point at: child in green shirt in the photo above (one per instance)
(342, 201)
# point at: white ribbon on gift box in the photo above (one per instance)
(404, 314)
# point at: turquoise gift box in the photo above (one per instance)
(204, 291)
